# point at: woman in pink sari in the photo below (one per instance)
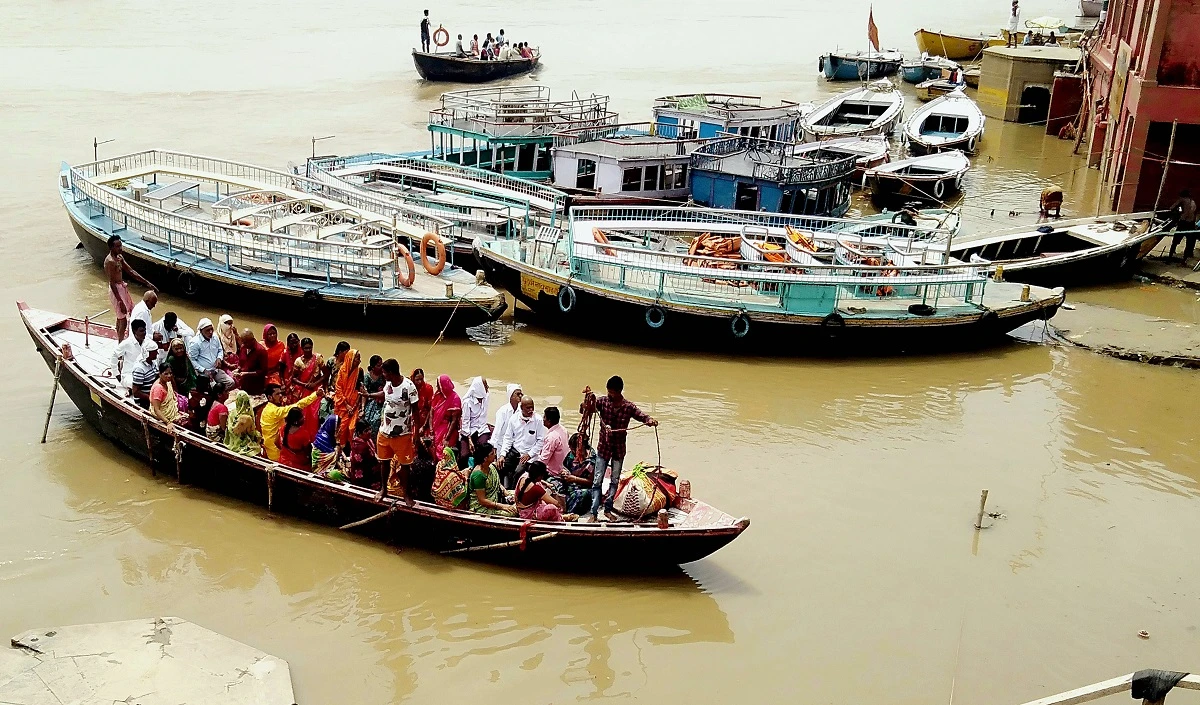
(446, 413)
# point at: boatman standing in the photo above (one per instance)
(1014, 23)
(615, 412)
(425, 32)
(116, 268)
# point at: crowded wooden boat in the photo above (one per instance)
(349, 441)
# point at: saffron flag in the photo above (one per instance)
(872, 30)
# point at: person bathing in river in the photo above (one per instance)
(116, 268)
(532, 499)
(615, 412)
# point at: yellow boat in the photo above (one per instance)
(953, 46)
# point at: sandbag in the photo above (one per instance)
(640, 495)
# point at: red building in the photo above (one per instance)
(1145, 74)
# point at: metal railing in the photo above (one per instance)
(727, 106)
(620, 141)
(518, 111)
(780, 162)
(167, 160)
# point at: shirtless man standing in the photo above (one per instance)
(118, 292)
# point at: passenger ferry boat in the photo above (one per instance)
(477, 203)
(637, 274)
(216, 229)
(754, 173)
(624, 163)
(509, 129)
(707, 115)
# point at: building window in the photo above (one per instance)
(650, 180)
(632, 179)
(585, 174)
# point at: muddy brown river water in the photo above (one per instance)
(860, 578)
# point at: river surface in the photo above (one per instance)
(860, 579)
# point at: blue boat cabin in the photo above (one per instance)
(708, 115)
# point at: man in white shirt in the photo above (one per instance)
(521, 440)
(141, 311)
(507, 410)
(394, 444)
(1014, 24)
(208, 356)
(171, 328)
(128, 354)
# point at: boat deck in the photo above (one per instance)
(459, 181)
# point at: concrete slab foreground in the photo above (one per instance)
(1129, 336)
(161, 661)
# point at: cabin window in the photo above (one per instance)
(746, 197)
(585, 174)
(681, 176)
(650, 180)
(543, 163)
(632, 179)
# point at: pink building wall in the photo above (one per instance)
(1146, 69)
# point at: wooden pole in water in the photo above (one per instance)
(1162, 183)
(982, 502)
(53, 393)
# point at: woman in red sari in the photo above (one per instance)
(275, 353)
(307, 372)
(446, 413)
(423, 413)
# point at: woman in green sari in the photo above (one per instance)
(241, 436)
(486, 491)
(181, 365)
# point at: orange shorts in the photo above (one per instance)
(399, 447)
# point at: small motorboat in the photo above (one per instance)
(1078, 252)
(936, 88)
(874, 109)
(931, 177)
(860, 65)
(437, 66)
(926, 68)
(953, 121)
(954, 46)
(869, 152)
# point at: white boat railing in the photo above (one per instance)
(413, 223)
(1113, 686)
(518, 111)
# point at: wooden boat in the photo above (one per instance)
(932, 177)
(971, 76)
(860, 65)
(926, 68)
(869, 152)
(874, 109)
(214, 229)
(1090, 8)
(952, 121)
(935, 88)
(1078, 252)
(954, 46)
(435, 66)
(696, 529)
(640, 270)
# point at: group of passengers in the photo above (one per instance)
(370, 425)
(496, 48)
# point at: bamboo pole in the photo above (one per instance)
(982, 503)
(507, 544)
(1162, 183)
(53, 393)
(368, 520)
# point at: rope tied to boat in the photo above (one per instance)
(58, 360)
(270, 487)
(178, 447)
(149, 445)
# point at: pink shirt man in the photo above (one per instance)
(554, 449)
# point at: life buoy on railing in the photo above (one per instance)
(655, 317)
(566, 299)
(187, 283)
(445, 36)
(439, 248)
(406, 282)
(939, 189)
(739, 325)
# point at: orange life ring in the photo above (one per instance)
(441, 31)
(244, 222)
(412, 268)
(438, 247)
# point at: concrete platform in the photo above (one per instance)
(162, 661)
(1156, 269)
(1129, 336)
